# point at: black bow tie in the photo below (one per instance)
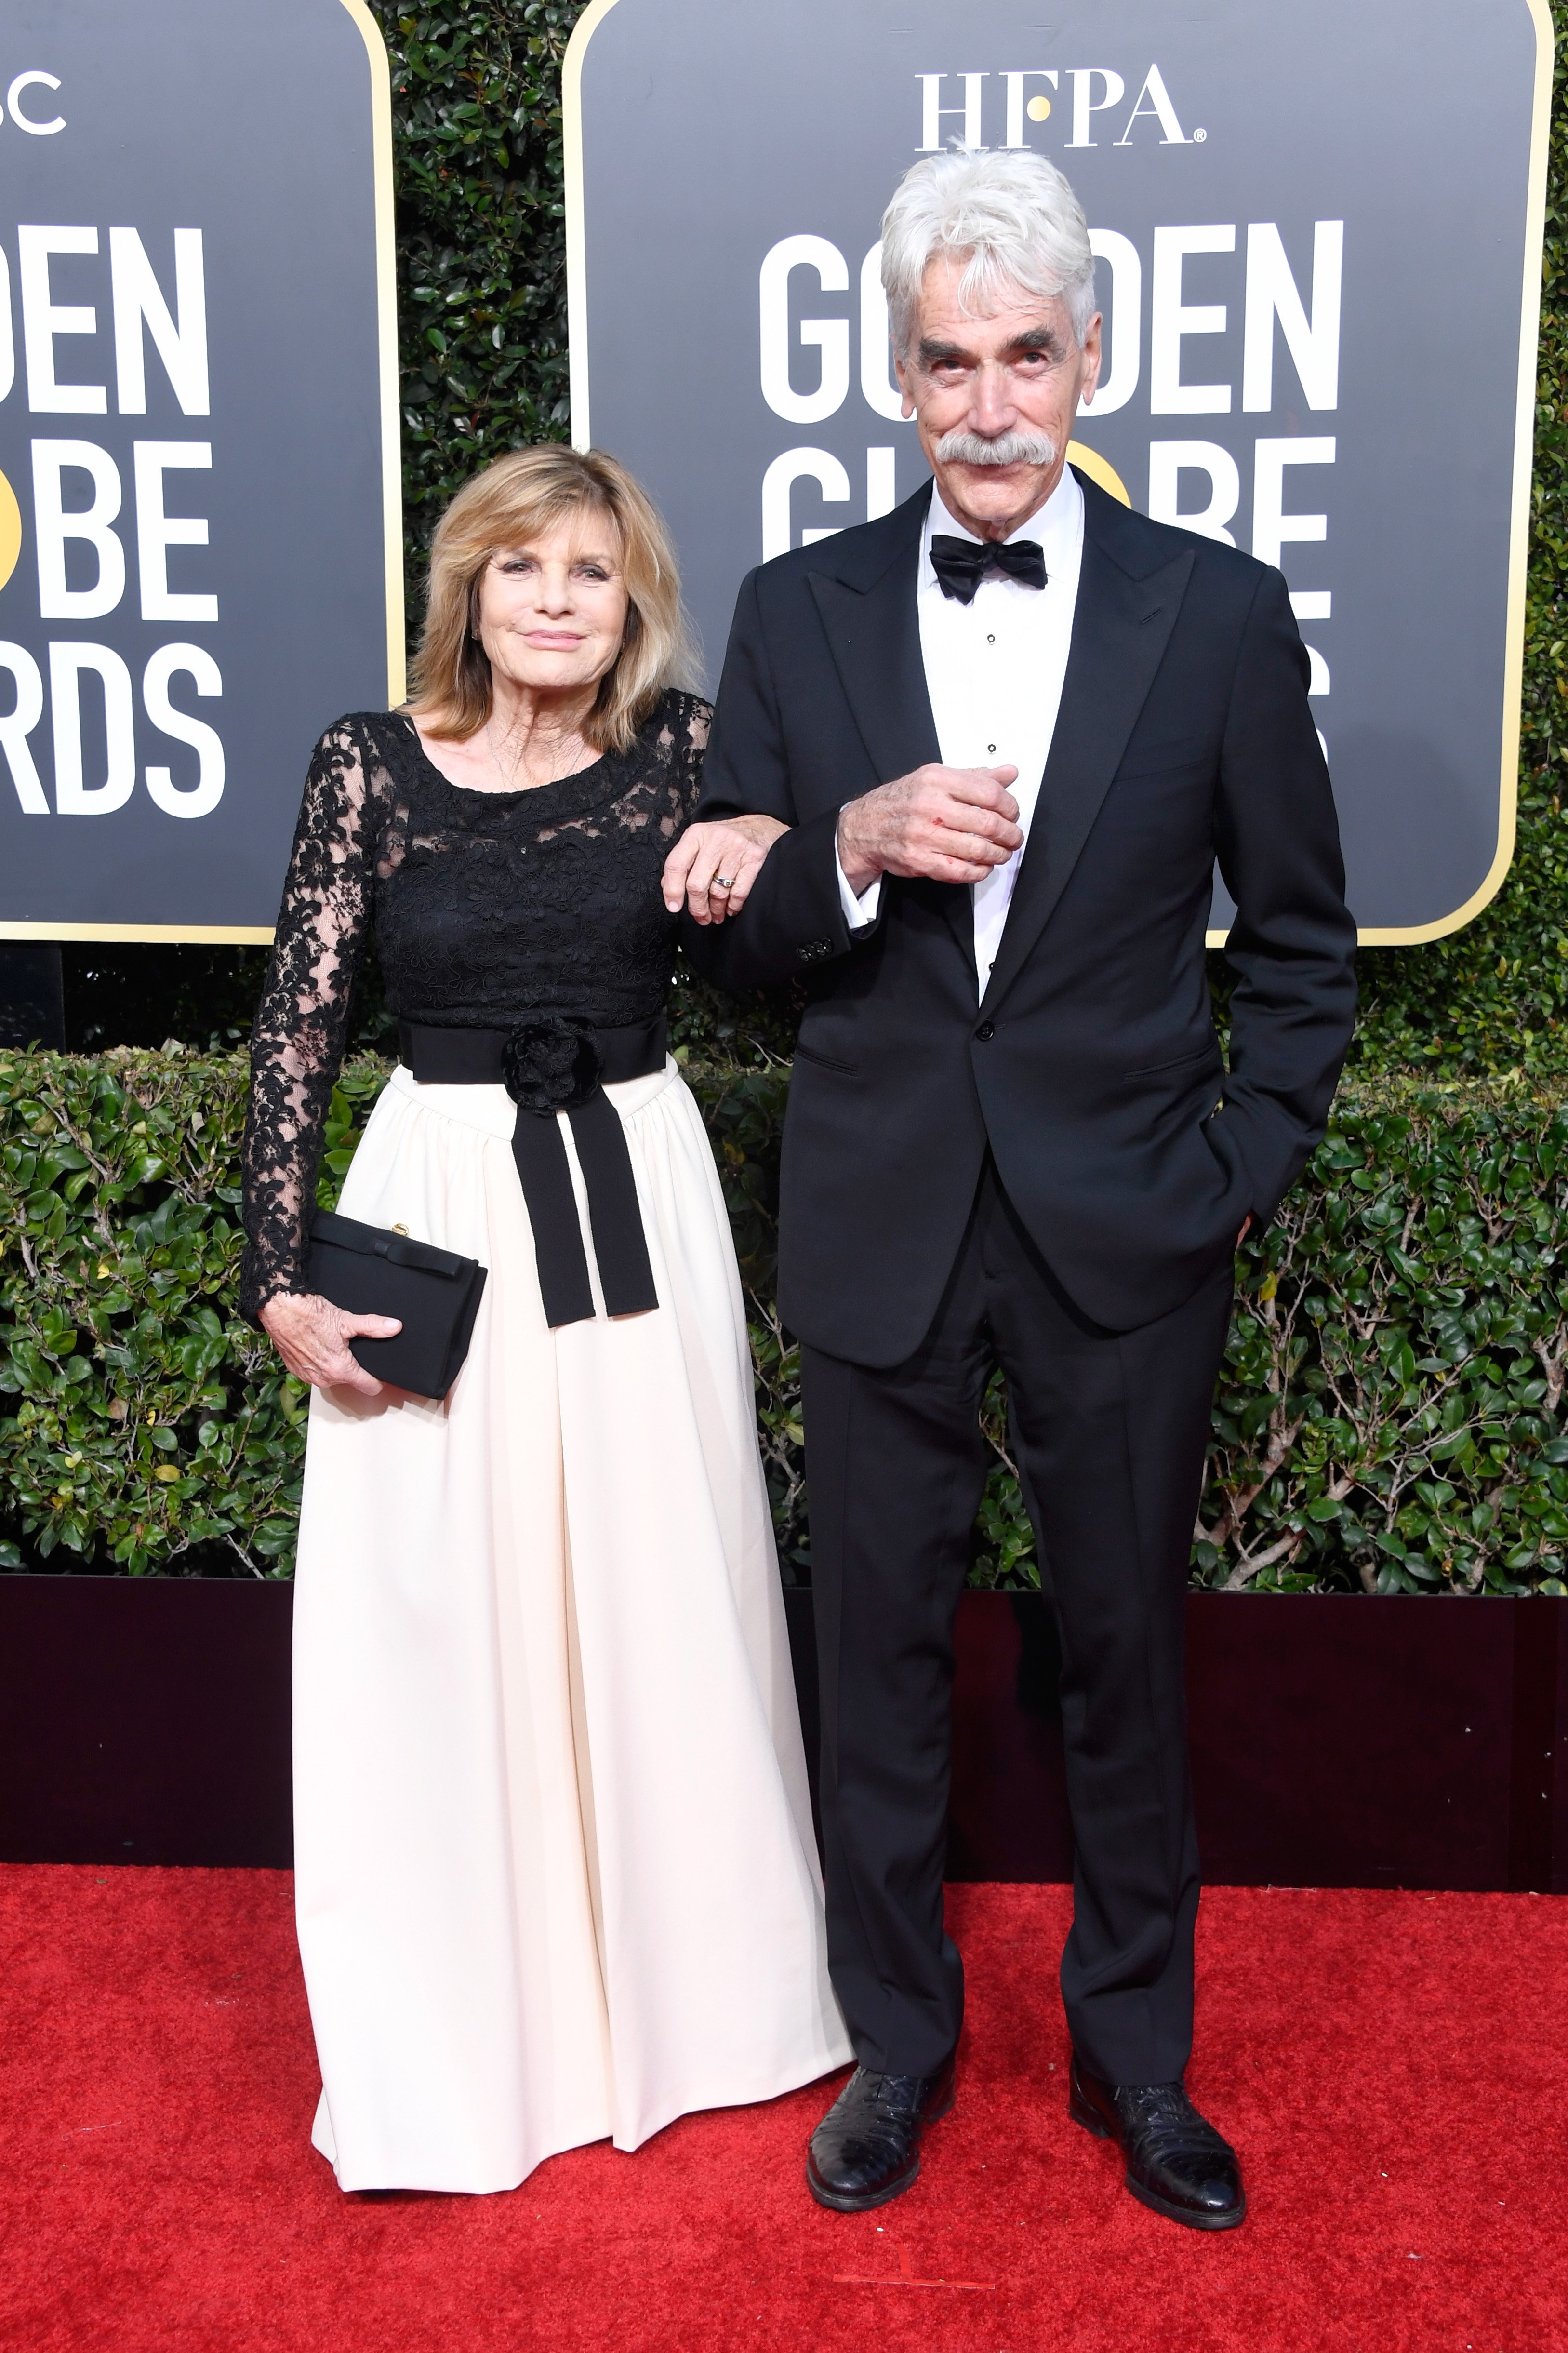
(960, 565)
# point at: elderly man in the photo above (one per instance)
(1010, 728)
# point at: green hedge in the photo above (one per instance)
(481, 239)
(1391, 1417)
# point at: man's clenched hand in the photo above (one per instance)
(952, 825)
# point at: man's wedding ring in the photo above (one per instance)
(723, 881)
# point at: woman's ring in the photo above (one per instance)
(723, 881)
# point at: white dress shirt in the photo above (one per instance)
(994, 671)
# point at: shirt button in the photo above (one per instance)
(990, 641)
(990, 747)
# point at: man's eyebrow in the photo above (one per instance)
(1042, 338)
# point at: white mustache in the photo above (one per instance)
(961, 449)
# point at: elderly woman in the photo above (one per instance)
(555, 1871)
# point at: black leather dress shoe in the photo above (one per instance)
(1177, 2162)
(867, 2147)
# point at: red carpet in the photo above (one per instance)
(1394, 2068)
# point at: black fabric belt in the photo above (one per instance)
(549, 1064)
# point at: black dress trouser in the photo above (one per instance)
(1110, 1429)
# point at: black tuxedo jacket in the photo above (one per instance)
(1091, 1067)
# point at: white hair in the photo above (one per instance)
(1013, 214)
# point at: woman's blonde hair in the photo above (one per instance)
(512, 502)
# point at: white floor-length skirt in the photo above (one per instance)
(556, 1873)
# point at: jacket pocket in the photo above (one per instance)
(826, 1062)
(1200, 1054)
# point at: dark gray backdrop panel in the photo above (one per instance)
(712, 129)
(253, 124)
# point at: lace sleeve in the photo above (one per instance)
(691, 745)
(296, 1043)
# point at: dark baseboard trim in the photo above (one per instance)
(144, 1719)
(1336, 1741)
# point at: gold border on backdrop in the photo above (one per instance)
(582, 32)
(251, 935)
(386, 340)
(1412, 936)
(1524, 426)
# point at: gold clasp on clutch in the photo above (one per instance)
(400, 1230)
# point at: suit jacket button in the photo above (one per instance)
(986, 1031)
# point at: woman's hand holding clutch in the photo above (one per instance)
(714, 865)
(312, 1338)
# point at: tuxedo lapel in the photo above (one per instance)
(875, 638)
(1122, 627)
(865, 594)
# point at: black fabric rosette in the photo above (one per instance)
(550, 1062)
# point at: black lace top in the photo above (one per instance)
(486, 907)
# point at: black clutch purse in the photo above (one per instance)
(376, 1270)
